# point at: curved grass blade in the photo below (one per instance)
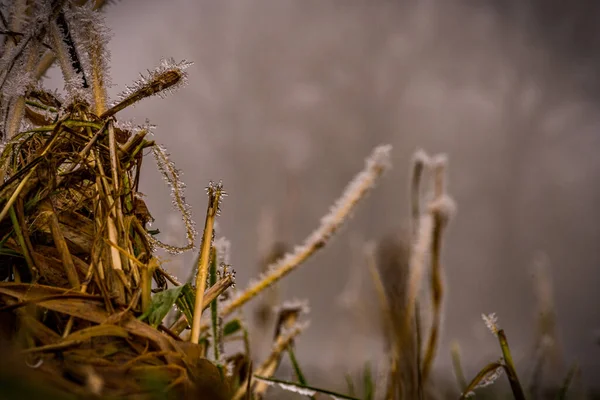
(480, 377)
(511, 371)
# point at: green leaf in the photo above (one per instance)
(297, 369)
(162, 303)
(232, 327)
(186, 301)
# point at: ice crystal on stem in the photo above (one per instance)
(163, 80)
(491, 321)
(173, 178)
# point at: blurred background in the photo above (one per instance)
(287, 97)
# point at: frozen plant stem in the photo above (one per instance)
(441, 209)
(485, 377)
(214, 197)
(420, 161)
(377, 163)
(172, 176)
(166, 77)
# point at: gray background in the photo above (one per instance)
(287, 97)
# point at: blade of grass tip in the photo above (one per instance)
(164, 79)
(214, 197)
(457, 366)
(485, 372)
(511, 371)
(420, 161)
(376, 164)
(564, 388)
(302, 389)
(368, 386)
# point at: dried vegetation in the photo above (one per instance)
(84, 299)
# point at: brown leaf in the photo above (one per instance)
(98, 330)
(36, 118)
(89, 308)
(209, 382)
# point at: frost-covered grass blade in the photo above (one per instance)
(305, 390)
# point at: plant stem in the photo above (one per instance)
(214, 196)
(515, 384)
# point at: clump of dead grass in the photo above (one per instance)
(84, 295)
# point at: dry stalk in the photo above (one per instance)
(60, 243)
(441, 208)
(27, 177)
(376, 165)
(214, 198)
(388, 322)
(420, 162)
